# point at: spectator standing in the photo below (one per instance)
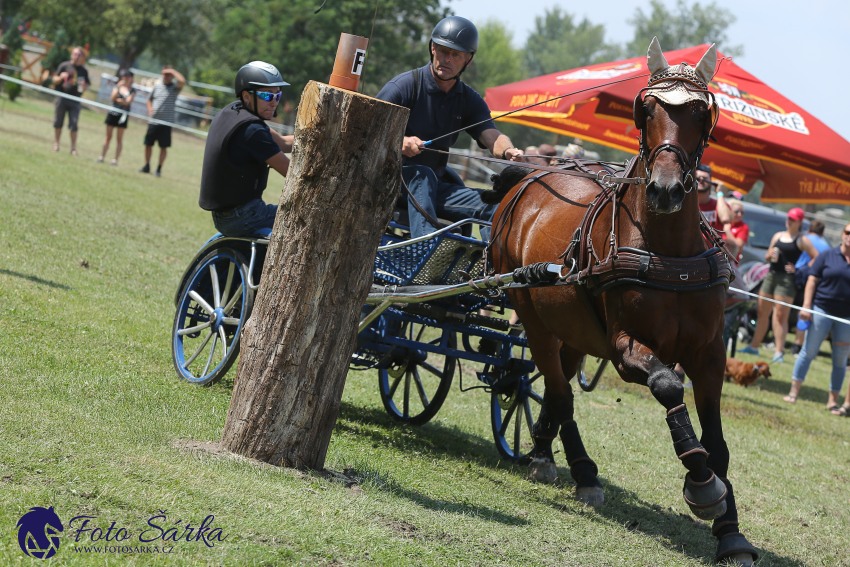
(715, 210)
(827, 293)
(802, 274)
(72, 79)
(122, 97)
(161, 105)
(785, 249)
(736, 233)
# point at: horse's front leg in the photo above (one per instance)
(706, 372)
(704, 492)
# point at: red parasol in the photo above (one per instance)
(761, 135)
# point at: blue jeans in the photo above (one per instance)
(446, 198)
(245, 219)
(816, 334)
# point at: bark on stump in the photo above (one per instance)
(337, 200)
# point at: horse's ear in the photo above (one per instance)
(706, 66)
(638, 112)
(655, 59)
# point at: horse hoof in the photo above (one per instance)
(739, 560)
(590, 495)
(542, 470)
(707, 500)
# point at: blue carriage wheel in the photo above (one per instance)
(513, 410)
(211, 313)
(417, 382)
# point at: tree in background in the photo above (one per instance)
(173, 30)
(689, 25)
(303, 44)
(557, 44)
(497, 61)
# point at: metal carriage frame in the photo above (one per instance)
(418, 323)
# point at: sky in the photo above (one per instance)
(801, 49)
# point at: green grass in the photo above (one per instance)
(92, 407)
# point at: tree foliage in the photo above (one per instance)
(173, 30)
(686, 26)
(497, 61)
(558, 43)
(303, 44)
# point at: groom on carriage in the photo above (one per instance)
(440, 103)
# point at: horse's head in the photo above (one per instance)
(675, 114)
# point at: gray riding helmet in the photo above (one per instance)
(257, 74)
(456, 33)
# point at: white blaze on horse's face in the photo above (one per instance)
(674, 96)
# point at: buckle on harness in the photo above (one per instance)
(683, 277)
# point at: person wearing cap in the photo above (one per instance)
(785, 249)
(715, 210)
(240, 150)
(161, 105)
(440, 103)
(122, 97)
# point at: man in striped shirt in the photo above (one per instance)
(161, 107)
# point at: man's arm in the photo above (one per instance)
(500, 145)
(283, 142)
(724, 213)
(60, 76)
(279, 162)
(181, 80)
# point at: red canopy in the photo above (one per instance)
(761, 135)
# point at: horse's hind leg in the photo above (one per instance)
(707, 375)
(582, 468)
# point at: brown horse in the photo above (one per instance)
(642, 325)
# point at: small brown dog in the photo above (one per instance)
(745, 373)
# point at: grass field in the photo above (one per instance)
(90, 256)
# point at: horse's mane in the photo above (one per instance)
(504, 182)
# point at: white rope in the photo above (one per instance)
(736, 290)
(107, 107)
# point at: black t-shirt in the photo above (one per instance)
(75, 72)
(434, 113)
(251, 143)
(833, 291)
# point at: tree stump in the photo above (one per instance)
(338, 196)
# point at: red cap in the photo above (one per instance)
(796, 214)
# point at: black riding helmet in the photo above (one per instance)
(455, 33)
(257, 74)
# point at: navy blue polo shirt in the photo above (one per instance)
(251, 143)
(434, 112)
(833, 291)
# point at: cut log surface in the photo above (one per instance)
(338, 197)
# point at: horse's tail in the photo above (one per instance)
(504, 182)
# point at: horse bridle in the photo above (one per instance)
(689, 161)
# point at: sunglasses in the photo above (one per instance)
(847, 233)
(738, 212)
(268, 97)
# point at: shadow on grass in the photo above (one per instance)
(807, 393)
(36, 280)
(677, 531)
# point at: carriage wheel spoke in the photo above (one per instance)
(517, 431)
(433, 370)
(210, 357)
(216, 290)
(224, 348)
(394, 387)
(198, 351)
(529, 419)
(535, 396)
(190, 330)
(236, 295)
(406, 402)
(535, 377)
(228, 282)
(422, 395)
(201, 301)
(230, 321)
(507, 420)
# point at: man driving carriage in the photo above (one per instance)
(440, 103)
(240, 150)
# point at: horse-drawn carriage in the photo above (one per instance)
(421, 319)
